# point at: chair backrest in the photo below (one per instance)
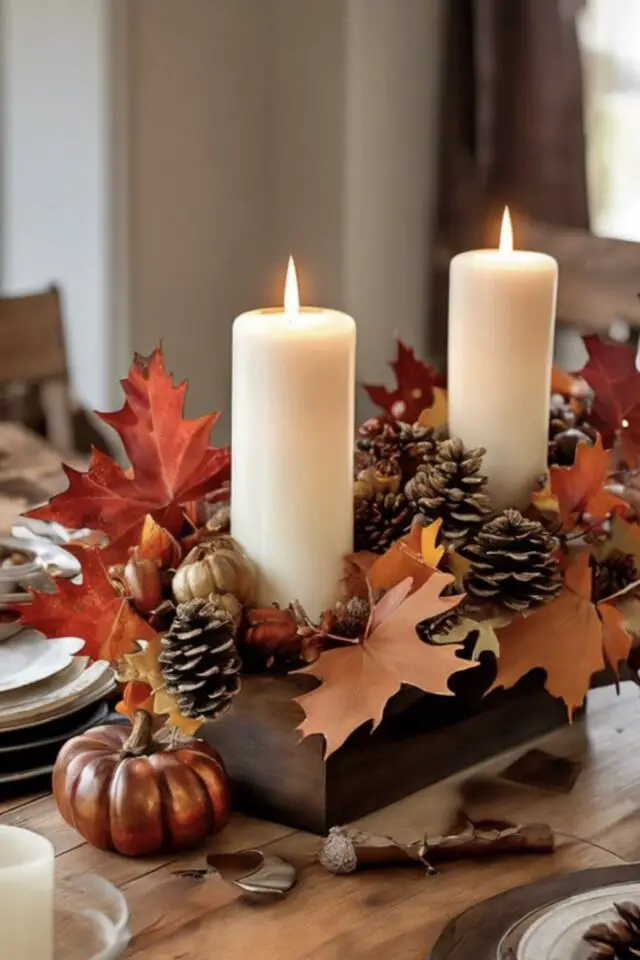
(31, 337)
(32, 352)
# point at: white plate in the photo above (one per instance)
(93, 695)
(47, 554)
(29, 657)
(47, 699)
(557, 934)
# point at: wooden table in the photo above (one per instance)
(385, 913)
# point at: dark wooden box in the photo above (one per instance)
(421, 740)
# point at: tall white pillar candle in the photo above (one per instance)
(501, 320)
(292, 448)
(26, 895)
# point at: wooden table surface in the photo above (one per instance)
(383, 913)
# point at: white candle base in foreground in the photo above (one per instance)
(26, 895)
(292, 450)
(501, 321)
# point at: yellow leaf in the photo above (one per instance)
(143, 667)
(431, 554)
(436, 415)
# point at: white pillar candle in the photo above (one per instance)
(26, 895)
(292, 448)
(501, 321)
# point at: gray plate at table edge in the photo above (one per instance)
(26, 774)
(476, 933)
(99, 714)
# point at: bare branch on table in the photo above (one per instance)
(345, 851)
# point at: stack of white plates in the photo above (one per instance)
(556, 931)
(47, 694)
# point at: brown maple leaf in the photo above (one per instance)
(563, 637)
(414, 391)
(581, 488)
(172, 464)
(357, 681)
(92, 610)
(415, 555)
(611, 372)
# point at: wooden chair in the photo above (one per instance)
(32, 352)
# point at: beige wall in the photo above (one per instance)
(163, 157)
(260, 127)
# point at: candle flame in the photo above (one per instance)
(506, 233)
(291, 295)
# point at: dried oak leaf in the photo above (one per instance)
(580, 489)
(92, 610)
(564, 637)
(611, 372)
(414, 391)
(416, 555)
(172, 464)
(355, 569)
(158, 544)
(438, 413)
(358, 680)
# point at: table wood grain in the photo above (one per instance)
(385, 913)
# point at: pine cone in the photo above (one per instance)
(452, 488)
(566, 430)
(199, 660)
(512, 563)
(619, 940)
(379, 519)
(349, 619)
(407, 444)
(613, 574)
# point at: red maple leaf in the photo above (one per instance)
(92, 610)
(172, 463)
(612, 374)
(415, 382)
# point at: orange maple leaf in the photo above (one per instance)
(172, 463)
(136, 696)
(415, 555)
(616, 640)
(357, 681)
(564, 637)
(580, 488)
(92, 610)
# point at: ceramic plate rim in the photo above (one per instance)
(62, 651)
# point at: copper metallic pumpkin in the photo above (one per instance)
(122, 792)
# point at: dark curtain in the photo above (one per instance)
(512, 116)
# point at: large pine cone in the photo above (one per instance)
(512, 563)
(199, 661)
(383, 439)
(619, 940)
(380, 518)
(451, 487)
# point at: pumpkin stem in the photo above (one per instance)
(140, 738)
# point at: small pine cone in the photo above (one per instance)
(566, 430)
(618, 940)
(349, 619)
(198, 659)
(451, 488)
(613, 574)
(338, 852)
(379, 519)
(408, 444)
(512, 563)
